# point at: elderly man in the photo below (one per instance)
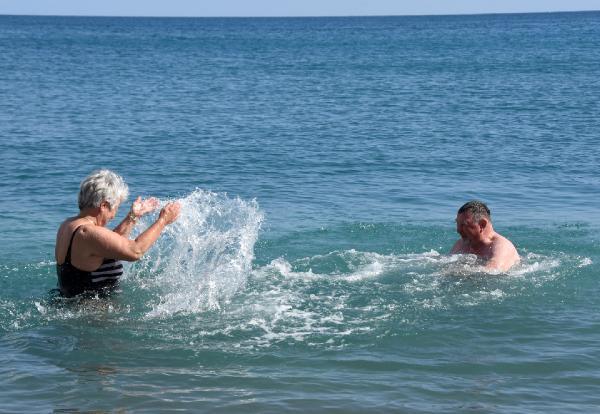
(477, 236)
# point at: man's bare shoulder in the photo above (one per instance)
(499, 242)
(504, 253)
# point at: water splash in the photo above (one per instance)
(203, 258)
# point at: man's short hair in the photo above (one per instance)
(477, 209)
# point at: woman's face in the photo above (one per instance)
(107, 212)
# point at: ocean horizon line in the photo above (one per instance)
(301, 16)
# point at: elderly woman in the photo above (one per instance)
(88, 254)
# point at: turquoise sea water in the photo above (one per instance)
(320, 163)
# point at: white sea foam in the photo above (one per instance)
(353, 266)
(532, 262)
(585, 261)
(427, 280)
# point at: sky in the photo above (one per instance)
(245, 8)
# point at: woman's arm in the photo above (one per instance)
(138, 209)
(102, 242)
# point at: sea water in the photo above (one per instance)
(320, 163)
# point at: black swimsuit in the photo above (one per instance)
(73, 281)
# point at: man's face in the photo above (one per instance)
(468, 228)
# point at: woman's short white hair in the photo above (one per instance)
(102, 185)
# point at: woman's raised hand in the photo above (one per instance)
(141, 207)
(170, 212)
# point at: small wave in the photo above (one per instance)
(352, 265)
(349, 265)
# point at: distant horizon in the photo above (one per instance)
(294, 16)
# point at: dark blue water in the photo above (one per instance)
(320, 162)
